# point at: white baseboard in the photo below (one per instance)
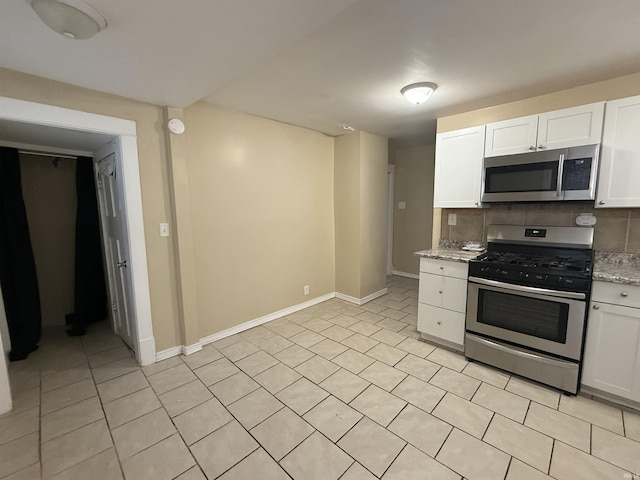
(188, 350)
(405, 274)
(361, 301)
(168, 353)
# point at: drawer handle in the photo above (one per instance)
(596, 307)
(439, 323)
(624, 294)
(441, 268)
(439, 291)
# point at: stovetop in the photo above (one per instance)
(552, 268)
(557, 258)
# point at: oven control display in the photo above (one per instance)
(535, 232)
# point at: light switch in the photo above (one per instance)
(164, 229)
(453, 219)
(402, 205)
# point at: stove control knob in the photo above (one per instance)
(484, 269)
(596, 307)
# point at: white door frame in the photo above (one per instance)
(391, 173)
(125, 130)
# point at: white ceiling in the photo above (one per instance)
(320, 63)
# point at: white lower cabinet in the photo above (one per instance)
(612, 349)
(442, 301)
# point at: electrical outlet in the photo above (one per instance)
(453, 219)
(306, 289)
(402, 205)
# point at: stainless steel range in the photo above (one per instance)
(527, 302)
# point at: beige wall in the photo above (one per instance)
(612, 89)
(414, 173)
(49, 194)
(262, 209)
(347, 214)
(616, 230)
(373, 211)
(156, 200)
(261, 199)
(360, 213)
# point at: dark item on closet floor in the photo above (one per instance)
(90, 297)
(18, 278)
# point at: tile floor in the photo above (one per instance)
(331, 392)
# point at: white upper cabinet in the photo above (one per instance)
(569, 127)
(517, 135)
(619, 180)
(458, 171)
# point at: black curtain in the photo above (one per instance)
(90, 298)
(18, 277)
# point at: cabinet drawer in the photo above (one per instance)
(444, 267)
(616, 294)
(444, 292)
(441, 323)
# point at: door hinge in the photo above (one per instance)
(114, 307)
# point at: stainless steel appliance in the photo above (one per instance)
(552, 175)
(527, 302)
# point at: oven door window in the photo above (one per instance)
(531, 316)
(527, 177)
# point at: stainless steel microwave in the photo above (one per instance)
(551, 175)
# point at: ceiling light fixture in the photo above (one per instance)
(70, 18)
(418, 93)
(349, 128)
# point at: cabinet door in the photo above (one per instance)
(458, 171)
(571, 127)
(619, 180)
(612, 350)
(517, 135)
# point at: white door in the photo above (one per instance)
(115, 240)
(390, 203)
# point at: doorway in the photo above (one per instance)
(391, 172)
(50, 128)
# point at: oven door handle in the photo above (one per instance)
(522, 288)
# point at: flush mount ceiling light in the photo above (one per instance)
(70, 18)
(349, 128)
(418, 93)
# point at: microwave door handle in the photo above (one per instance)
(560, 174)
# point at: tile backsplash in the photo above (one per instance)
(616, 230)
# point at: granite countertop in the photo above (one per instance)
(617, 267)
(450, 254)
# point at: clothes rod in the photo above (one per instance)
(44, 154)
